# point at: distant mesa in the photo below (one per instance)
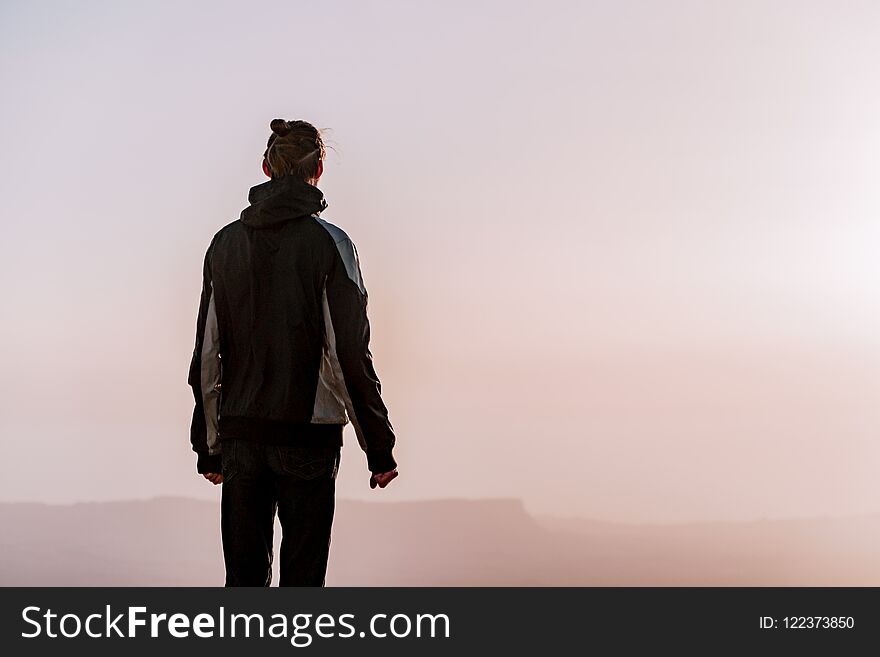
(455, 542)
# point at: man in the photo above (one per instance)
(281, 363)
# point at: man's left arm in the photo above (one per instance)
(209, 459)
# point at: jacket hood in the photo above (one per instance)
(279, 200)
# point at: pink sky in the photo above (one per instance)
(622, 256)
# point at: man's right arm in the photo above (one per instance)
(349, 334)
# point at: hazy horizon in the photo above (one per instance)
(621, 256)
(173, 542)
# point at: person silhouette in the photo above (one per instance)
(281, 364)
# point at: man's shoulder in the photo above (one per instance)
(231, 227)
(337, 233)
(223, 234)
(345, 250)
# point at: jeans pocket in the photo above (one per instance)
(307, 462)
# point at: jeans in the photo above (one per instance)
(296, 482)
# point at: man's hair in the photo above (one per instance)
(294, 149)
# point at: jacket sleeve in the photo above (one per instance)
(204, 443)
(348, 333)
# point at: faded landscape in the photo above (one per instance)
(622, 259)
(456, 542)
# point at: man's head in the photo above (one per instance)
(295, 148)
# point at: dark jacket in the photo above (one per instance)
(282, 336)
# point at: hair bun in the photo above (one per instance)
(280, 127)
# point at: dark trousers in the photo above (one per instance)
(299, 483)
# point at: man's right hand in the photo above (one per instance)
(382, 479)
(214, 477)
